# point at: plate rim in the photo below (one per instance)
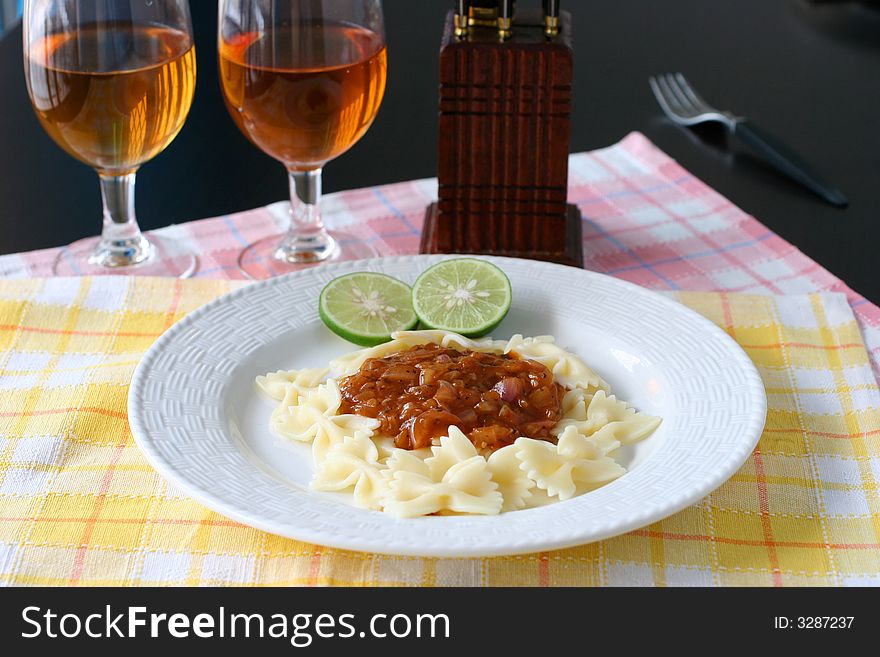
(721, 473)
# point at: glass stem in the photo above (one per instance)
(122, 243)
(307, 240)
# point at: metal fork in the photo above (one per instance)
(681, 103)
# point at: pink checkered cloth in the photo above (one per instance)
(646, 220)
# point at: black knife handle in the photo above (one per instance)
(787, 161)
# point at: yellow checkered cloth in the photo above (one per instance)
(80, 506)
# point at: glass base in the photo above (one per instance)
(83, 258)
(266, 258)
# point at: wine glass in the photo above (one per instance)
(303, 80)
(112, 82)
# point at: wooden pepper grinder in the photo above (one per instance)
(504, 130)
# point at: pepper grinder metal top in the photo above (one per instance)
(499, 14)
(551, 18)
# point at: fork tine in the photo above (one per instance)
(692, 94)
(680, 95)
(672, 98)
(661, 97)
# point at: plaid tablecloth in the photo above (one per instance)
(79, 505)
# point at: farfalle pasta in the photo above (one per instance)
(514, 484)
(568, 368)
(351, 362)
(312, 415)
(353, 465)
(454, 479)
(575, 464)
(280, 384)
(433, 422)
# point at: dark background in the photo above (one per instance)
(475, 615)
(809, 73)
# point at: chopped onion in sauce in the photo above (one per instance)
(418, 393)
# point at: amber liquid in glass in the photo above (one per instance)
(304, 94)
(116, 98)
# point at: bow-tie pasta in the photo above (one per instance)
(568, 369)
(574, 407)
(450, 339)
(608, 419)
(455, 479)
(313, 417)
(353, 465)
(351, 362)
(573, 466)
(278, 384)
(513, 484)
(583, 426)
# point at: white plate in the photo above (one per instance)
(196, 414)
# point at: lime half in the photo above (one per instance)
(365, 308)
(464, 295)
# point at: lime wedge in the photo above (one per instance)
(464, 295)
(365, 308)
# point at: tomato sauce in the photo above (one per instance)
(418, 393)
